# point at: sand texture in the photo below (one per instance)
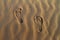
(23, 24)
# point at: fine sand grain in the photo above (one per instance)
(12, 29)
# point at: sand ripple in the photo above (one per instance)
(12, 29)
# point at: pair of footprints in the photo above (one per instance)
(37, 19)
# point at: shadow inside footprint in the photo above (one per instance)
(40, 29)
(21, 20)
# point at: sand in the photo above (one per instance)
(12, 29)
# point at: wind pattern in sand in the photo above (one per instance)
(11, 29)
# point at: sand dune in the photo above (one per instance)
(12, 29)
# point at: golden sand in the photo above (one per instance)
(12, 29)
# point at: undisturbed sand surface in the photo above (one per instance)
(12, 29)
